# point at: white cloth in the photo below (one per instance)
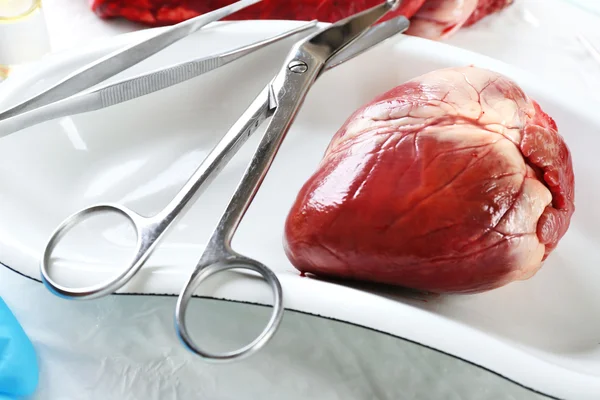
(124, 347)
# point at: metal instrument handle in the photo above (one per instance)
(201, 273)
(218, 255)
(286, 95)
(150, 230)
(143, 248)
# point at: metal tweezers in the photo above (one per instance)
(280, 101)
(76, 93)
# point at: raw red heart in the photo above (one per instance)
(455, 181)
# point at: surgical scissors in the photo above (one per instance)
(280, 101)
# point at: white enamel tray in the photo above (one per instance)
(543, 333)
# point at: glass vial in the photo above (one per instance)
(23, 34)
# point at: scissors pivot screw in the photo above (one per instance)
(298, 67)
(393, 3)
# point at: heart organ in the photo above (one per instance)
(434, 19)
(454, 182)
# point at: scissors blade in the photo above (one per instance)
(337, 37)
(371, 38)
(120, 60)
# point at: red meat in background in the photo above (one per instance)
(438, 19)
(431, 16)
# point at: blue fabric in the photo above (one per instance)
(18, 361)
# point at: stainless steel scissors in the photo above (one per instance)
(280, 101)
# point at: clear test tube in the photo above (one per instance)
(23, 34)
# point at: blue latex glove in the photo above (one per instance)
(18, 361)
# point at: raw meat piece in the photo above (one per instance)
(441, 18)
(334, 10)
(485, 8)
(166, 12)
(434, 18)
(438, 19)
(454, 182)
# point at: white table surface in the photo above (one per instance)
(124, 347)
